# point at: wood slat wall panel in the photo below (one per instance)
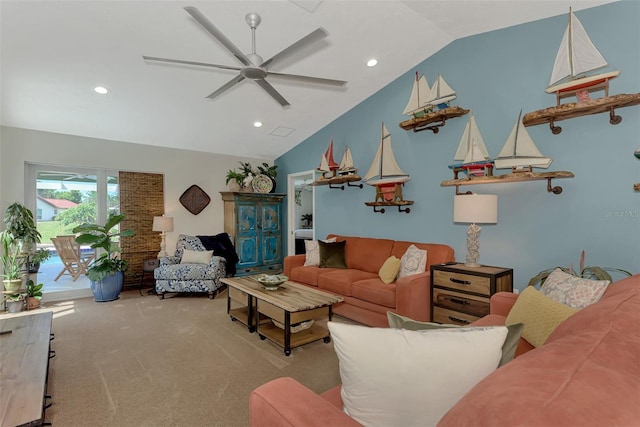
(141, 198)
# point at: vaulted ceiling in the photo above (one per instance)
(53, 53)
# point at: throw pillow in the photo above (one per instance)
(196, 257)
(508, 348)
(540, 315)
(395, 377)
(332, 254)
(573, 291)
(389, 269)
(413, 261)
(312, 257)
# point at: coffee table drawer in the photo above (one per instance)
(238, 295)
(277, 313)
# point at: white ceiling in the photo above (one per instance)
(53, 53)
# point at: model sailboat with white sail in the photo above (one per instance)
(442, 93)
(578, 55)
(385, 173)
(418, 104)
(519, 151)
(472, 155)
(346, 166)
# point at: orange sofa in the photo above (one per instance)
(367, 298)
(586, 374)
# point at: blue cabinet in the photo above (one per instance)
(253, 221)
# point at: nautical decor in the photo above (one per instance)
(346, 166)
(334, 175)
(328, 166)
(519, 151)
(576, 57)
(386, 175)
(472, 155)
(419, 99)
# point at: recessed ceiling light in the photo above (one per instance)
(257, 124)
(372, 62)
(101, 90)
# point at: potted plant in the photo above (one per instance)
(15, 303)
(588, 272)
(19, 223)
(307, 218)
(269, 171)
(34, 294)
(235, 180)
(12, 260)
(106, 272)
(39, 256)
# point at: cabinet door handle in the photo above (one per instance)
(455, 319)
(460, 282)
(458, 301)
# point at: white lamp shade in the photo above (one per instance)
(475, 208)
(162, 223)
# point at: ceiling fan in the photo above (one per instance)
(253, 66)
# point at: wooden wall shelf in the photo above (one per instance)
(576, 109)
(401, 205)
(338, 182)
(441, 116)
(511, 177)
(636, 187)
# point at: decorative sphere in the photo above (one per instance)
(253, 19)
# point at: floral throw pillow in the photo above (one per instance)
(313, 252)
(414, 261)
(573, 291)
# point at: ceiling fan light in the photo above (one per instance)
(257, 124)
(372, 62)
(101, 90)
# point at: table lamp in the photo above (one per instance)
(474, 209)
(163, 224)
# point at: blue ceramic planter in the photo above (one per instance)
(109, 288)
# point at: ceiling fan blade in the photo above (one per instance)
(201, 64)
(271, 91)
(310, 38)
(234, 81)
(208, 25)
(308, 79)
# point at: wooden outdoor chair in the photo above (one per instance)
(74, 262)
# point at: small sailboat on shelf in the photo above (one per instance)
(519, 152)
(576, 56)
(346, 167)
(385, 173)
(442, 94)
(328, 166)
(472, 153)
(418, 104)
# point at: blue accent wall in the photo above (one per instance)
(495, 75)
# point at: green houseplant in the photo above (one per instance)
(588, 272)
(12, 260)
(14, 302)
(34, 294)
(106, 272)
(39, 256)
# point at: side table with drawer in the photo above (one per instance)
(460, 294)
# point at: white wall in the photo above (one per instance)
(181, 169)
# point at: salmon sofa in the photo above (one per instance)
(586, 374)
(366, 297)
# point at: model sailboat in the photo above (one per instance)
(385, 173)
(418, 103)
(328, 166)
(472, 153)
(520, 151)
(346, 166)
(442, 93)
(577, 55)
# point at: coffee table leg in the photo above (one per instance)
(287, 333)
(250, 313)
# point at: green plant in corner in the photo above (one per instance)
(12, 258)
(98, 236)
(270, 171)
(238, 177)
(588, 272)
(33, 290)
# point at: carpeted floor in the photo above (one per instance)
(181, 361)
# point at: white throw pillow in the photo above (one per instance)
(397, 377)
(413, 261)
(571, 290)
(196, 257)
(313, 251)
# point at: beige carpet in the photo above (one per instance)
(181, 361)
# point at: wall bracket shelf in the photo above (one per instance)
(511, 177)
(424, 122)
(400, 204)
(577, 109)
(337, 182)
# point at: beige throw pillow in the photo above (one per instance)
(389, 269)
(571, 290)
(312, 250)
(414, 261)
(196, 257)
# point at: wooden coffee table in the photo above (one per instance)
(290, 304)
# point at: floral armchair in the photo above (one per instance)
(172, 276)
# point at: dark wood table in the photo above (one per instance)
(24, 360)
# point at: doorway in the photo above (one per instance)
(301, 210)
